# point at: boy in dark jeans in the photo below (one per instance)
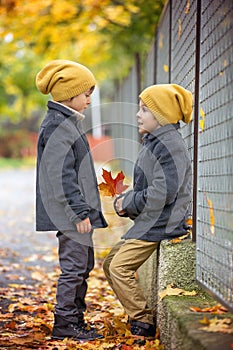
(159, 200)
(67, 197)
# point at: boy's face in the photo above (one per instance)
(80, 102)
(146, 121)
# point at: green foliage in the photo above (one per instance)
(6, 163)
(18, 93)
(105, 35)
(137, 36)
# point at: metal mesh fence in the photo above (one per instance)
(193, 48)
(215, 168)
(150, 67)
(183, 54)
(122, 122)
(183, 43)
(162, 57)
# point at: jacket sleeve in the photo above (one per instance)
(58, 166)
(162, 188)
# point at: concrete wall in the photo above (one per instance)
(174, 263)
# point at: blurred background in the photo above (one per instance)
(108, 36)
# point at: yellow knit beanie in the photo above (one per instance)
(64, 79)
(169, 103)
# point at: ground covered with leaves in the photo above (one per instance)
(29, 271)
(27, 301)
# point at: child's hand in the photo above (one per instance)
(84, 226)
(118, 206)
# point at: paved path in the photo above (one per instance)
(17, 220)
(21, 247)
(17, 213)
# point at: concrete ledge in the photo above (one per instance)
(174, 263)
(181, 330)
(177, 265)
(179, 326)
(147, 275)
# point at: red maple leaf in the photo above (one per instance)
(111, 186)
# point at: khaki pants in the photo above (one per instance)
(120, 266)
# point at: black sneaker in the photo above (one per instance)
(78, 331)
(142, 329)
(80, 320)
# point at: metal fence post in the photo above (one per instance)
(196, 121)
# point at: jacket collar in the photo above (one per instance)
(69, 112)
(159, 132)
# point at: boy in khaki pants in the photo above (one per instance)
(160, 198)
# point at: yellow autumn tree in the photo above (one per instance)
(105, 35)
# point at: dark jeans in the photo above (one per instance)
(76, 261)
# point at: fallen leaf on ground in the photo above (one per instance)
(171, 290)
(223, 325)
(26, 314)
(205, 320)
(216, 309)
(181, 238)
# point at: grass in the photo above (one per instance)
(6, 163)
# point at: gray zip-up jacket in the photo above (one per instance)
(161, 193)
(66, 185)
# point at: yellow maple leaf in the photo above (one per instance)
(202, 113)
(187, 8)
(179, 29)
(161, 37)
(223, 325)
(204, 320)
(37, 275)
(171, 290)
(202, 119)
(202, 124)
(211, 212)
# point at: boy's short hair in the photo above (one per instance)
(64, 79)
